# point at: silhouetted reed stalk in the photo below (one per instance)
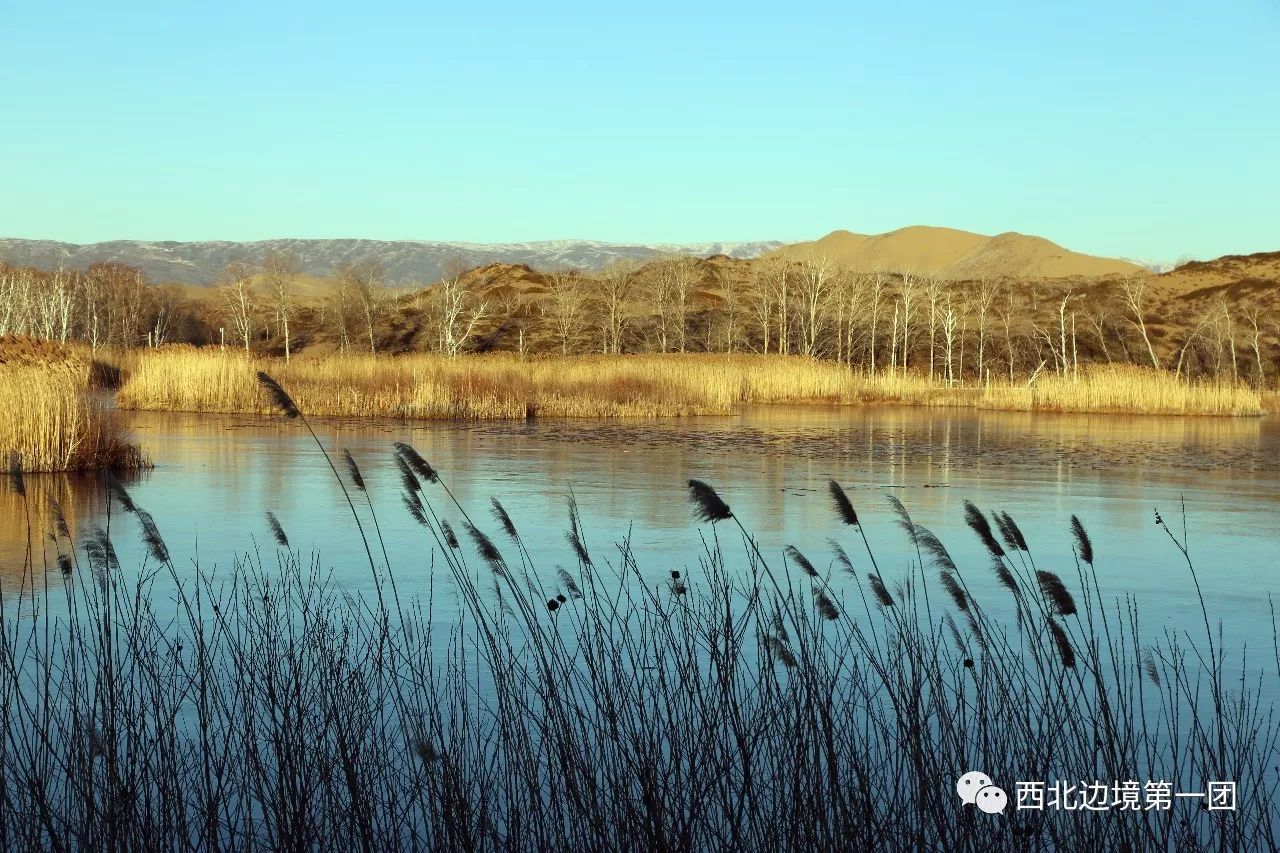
(284, 403)
(703, 707)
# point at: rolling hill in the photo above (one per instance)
(956, 254)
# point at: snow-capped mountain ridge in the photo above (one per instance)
(403, 261)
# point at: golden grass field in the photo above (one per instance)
(183, 378)
(51, 419)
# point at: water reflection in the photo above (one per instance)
(28, 527)
(215, 476)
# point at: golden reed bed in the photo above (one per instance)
(51, 418)
(504, 386)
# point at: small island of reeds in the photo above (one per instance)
(53, 420)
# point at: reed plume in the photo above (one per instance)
(407, 477)
(1019, 541)
(1065, 652)
(59, 518)
(1056, 593)
(120, 493)
(707, 504)
(844, 508)
(781, 652)
(1149, 666)
(978, 522)
(500, 513)
(357, 479)
(415, 461)
(578, 548)
(1005, 576)
(151, 536)
(100, 551)
(956, 636)
(1083, 543)
(279, 397)
(413, 503)
(574, 534)
(879, 590)
(276, 530)
(801, 560)
(904, 518)
(953, 589)
(976, 630)
(484, 545)
(566, 580)
(1009, 531)
(450, 538)
(842, 557)
(934, 547)
(826, 607)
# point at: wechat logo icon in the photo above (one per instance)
(977, 789)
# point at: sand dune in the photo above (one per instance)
(952, 253)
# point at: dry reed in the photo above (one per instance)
(184, 378)
(53, 421)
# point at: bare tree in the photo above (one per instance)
(1006, 316)
(1191, 338)
(1098, 308)
(164, 304)
(984, 297)
(461, 307)
(910, 291)
(674, 282)
(853, 290)
(1134, 289)
(1230, 332)
(614, 288)
(760, 298)
(815, 287)
(359, 283)
(949, 320)
(879, 282)
(1062, 327)
(933, 285)
(1251, 313)
(565, 305)
(280, 271)
(238, 300)
(777, 277)
(731, 306)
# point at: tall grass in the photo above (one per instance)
(766, 700)
(505, 386)
(51, 419)
(1126, 389)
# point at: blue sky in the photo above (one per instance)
(1140, 129)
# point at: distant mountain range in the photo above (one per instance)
(946, 252)
(403, 261)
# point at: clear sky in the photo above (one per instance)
(1143, 129)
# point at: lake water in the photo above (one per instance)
(216, 475)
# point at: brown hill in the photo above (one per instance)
(1230, 275)
(956, 254)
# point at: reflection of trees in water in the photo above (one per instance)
(82, 498)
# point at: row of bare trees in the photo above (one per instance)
(877, 321)
(901, 320)
(109, 304)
